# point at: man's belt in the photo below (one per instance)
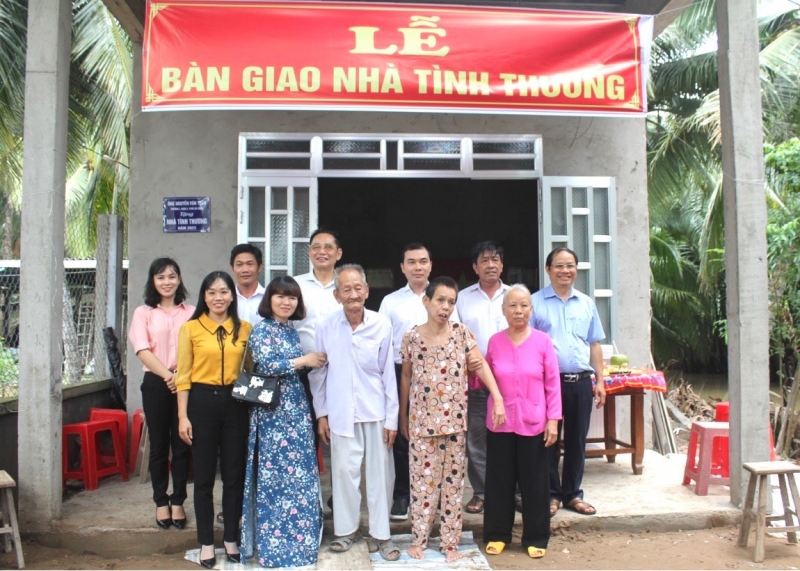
(575, 377)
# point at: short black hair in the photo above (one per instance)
(319, 231)
(486, 246)
(549, 261)
(445, 281)
(248, 249)
(282, 285)
(151, 296)
(414, 246)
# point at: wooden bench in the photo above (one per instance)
(759, 475)
(8, 517)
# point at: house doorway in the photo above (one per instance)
(377, 217)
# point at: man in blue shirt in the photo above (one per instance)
(570, 318)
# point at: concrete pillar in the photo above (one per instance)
(745, 237)
(42, 254)
(136, 274)
(108, 288)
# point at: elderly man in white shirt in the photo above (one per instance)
(246, 264)
(355, 398)
(481, 309)
(404, 309)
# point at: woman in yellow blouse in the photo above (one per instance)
(210, 351)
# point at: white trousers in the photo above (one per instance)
(347, 455)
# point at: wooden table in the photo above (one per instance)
(634, 386)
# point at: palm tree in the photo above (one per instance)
(98, 128)
(685, 166)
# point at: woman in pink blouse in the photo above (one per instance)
(154, 337)
(524, 363)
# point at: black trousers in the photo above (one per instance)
(219, 427)
(516, 461)
(161, 414)
(402, 489)
(576, 405)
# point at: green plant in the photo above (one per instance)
(9, 372)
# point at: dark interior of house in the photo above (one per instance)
(377, 217)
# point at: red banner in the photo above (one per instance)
(396, 57)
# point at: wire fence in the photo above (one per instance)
(80, 330)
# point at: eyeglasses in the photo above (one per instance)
(561, 267)
(326, 247)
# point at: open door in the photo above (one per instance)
(579, 213)
(278, 214)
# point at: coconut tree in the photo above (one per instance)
(685, 166)
(98, 127)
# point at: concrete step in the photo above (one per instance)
(118, 518)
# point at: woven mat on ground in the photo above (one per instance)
(471, 556)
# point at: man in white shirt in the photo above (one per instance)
(355, 398)
(404, 309)
(324, 251)
(247, 263)
(480, 307)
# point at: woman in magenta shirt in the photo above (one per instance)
(154, 337)
(525, 365)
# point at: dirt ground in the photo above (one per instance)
(703, 549)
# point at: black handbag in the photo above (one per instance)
(257, 388)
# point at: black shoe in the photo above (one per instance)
(232, 557)
(179, 523)
(330, 503)
(163, 523)
(399, 510)
(220, 518)
(208, 563)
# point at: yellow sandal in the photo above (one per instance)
(534, 552)
(495, 547)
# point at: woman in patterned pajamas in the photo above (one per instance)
(433, 416)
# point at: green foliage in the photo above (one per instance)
(685, 179)
(98, 155)
(783, 250)
(9, 371)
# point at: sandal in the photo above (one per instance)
(475, 505)
(388, 550)
(579, 506)
(345, 542)
(536, 552)
(554, 505)
(495, 547)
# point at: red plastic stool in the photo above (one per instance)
(720, 463)
(721, 458)
(698, 466)
(91, 470)
(118, 416)
(136, 436)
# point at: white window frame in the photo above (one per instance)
(269, 182)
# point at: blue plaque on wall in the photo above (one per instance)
(187, 214)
